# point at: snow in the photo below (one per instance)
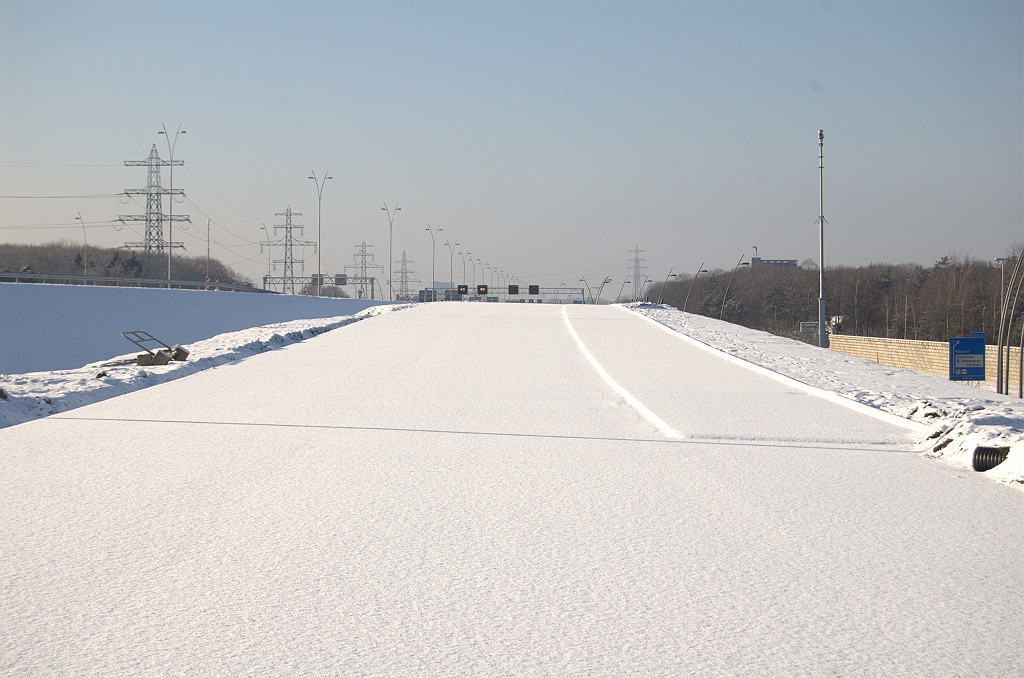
(955, 418)
(60, 327)
(473, 489)
(40, 394)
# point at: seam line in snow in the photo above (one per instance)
(667, 430)
(788, 381)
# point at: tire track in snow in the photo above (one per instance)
(667, 430)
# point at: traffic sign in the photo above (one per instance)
(967, 358)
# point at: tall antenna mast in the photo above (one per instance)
(822, 334)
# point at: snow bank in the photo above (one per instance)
(24, 397)
(62, 327)
(958, 417)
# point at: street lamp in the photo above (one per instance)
(738, 264)
(319, 247)
(170, 204)
(700, 269)
(451, 266)
(85, 247)
(601, 289)
(661, 294)
(267, 279)
(463, 256)
(647, 281)
(433, 239)
(1002, 320)
(621, 287)
(583, 279)
(391, 242)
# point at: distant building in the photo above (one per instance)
(781, 263)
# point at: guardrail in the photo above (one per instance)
(109, 281)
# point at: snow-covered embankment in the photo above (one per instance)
(24, 397)
(956, 418)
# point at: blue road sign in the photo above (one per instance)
(967, 358)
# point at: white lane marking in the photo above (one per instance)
(667, 430)
(790, 381)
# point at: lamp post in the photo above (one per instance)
(264, 227)
(601, 288)
(647, 281)
(207, 250)
(621, 287)
(739, 263)
(451, 266)
(660, 295)
(1003, 317)
(85, 247)
(433, 250)
(1002, 313)
(170, 202)
(583, 279)
(391, 242)
(700, 270)
(480, 264)
(822, 334)
(319, 197)
(463, 256)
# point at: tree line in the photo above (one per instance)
(955, 296)
(65, 257)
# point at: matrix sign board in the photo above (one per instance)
(513, 289)
(463, 289)
(340, 279)
(535, 289)
(967, 358)
(481, 289)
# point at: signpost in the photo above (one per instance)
(967, 358)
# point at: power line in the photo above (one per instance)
(154, 217)
(288, 280)
(27, 227)
(59, 197)
(48, 164)
(220, 198)
(636, 271)
(404, 280)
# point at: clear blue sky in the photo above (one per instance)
(549, 138)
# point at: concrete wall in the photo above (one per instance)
(930, 357)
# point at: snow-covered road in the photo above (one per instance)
(498, 489)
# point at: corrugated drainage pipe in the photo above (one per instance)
(986, 458)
